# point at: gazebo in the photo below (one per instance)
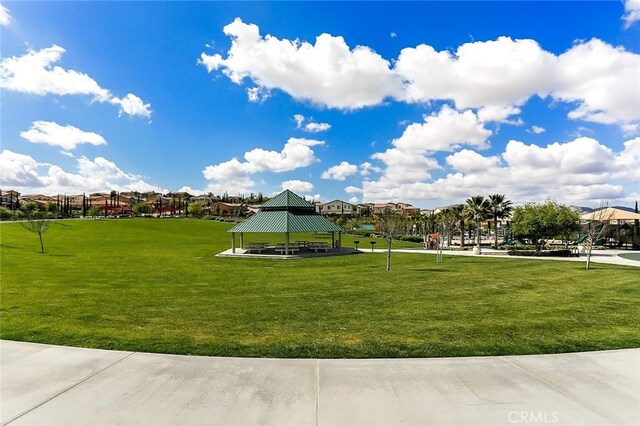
(286, 213)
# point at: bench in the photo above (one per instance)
(256, 247)
(283, 250)
(319, 246)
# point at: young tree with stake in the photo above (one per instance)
(37, 223)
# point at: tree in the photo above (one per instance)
(30, 206)
(538, 221)
(51, 207)
(636, 225)
(390, 225)
(446, 223)
(141, 208)
(37, 223)
(478, 209)
(461, 214)
(196, 209)
(499, 208)
(597, 228)
(94, 211)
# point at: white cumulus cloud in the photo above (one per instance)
(446, 130)
(35, 73)
(467, 161)
(603, 80)
(580, 171)
(632, 12)
(494, 77)
(234, 175)
(132, 105)
(500, 72)
(5, 17)
(405, 166)
(309, 125)
(328, 73)
(67, 137)
(340, 171)
(24, 173)
(367, 168)
(296, 185)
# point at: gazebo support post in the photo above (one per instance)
(233, 242)
(286, 243)
(340, 241)
(242, 240)
(333, 239)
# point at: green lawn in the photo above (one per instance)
(155, 285)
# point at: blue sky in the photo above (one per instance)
(425, 102)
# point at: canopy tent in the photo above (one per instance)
(610, 214)
(285, 213)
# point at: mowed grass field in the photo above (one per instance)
(155, 285)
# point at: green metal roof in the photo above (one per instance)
(286, 221)
(286, 199)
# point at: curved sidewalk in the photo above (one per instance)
(45, 384)
(601, 256)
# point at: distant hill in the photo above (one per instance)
(583, 210)
(627, 209)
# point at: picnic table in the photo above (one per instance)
(281, 248)
(302, 243)
(257, 247)
(318, 246)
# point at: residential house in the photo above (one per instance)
(407, 209)
(228, 209)
(364, 209)
(9, 199)
(337, 208)
(40, 199)
(382, 208)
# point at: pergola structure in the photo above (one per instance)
(611, 214)
(621, 220)
(286, 213)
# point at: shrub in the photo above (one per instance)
(525, 247)
(550, 253)
(360, 232)
(411, 238)
(5, 214)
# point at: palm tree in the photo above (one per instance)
(478, 209)
(499, 208)
(460, 213)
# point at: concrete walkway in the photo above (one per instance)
(44, 384)
(610, 257)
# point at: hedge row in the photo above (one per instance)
(551, 253)
(410, 238)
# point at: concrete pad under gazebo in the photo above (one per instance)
(287, 213)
